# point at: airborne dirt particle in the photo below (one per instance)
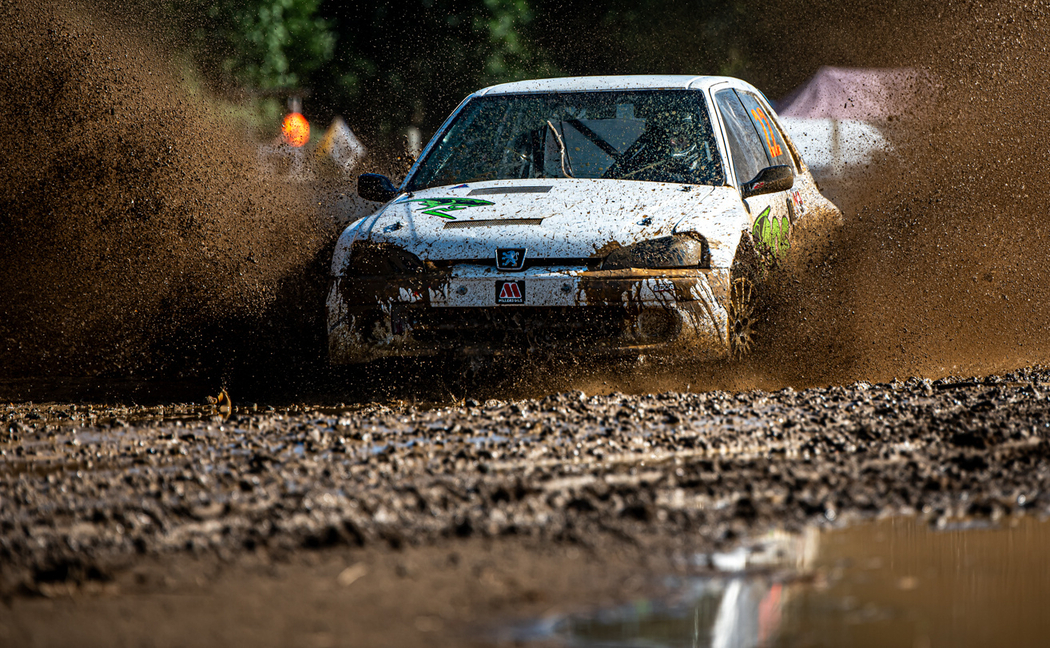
(137, 234)
(942, 267)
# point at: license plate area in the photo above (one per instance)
(510, 292)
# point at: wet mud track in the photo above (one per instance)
(89, 490)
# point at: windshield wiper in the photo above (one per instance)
(564, 156)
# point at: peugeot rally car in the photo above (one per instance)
(618, 214)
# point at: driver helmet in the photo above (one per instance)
(680, 134)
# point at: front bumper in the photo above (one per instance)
(568, 309)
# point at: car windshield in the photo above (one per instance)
(650, 135)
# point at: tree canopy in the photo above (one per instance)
(387, 65)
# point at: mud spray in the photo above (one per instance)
(137, 236)
(943, 266)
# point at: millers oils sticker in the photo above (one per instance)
(510, 292)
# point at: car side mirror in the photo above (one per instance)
(769, 180)
(375, 187)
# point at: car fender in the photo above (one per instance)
(721, 222)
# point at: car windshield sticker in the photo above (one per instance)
(440, 206)
(772, 234)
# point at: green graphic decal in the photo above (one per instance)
(439, 206)
(772, 234)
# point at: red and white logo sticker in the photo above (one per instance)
(510, 292)
(796, 200)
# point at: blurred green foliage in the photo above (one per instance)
(257, 44)
(387, 65)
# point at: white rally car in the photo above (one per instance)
(596, 214)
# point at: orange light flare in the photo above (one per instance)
(295, 130)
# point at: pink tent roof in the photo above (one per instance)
(866, 94)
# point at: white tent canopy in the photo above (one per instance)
(837, 117)
(832, 146)
(860, 94)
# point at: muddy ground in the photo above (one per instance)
(148, 254)
(458, 513)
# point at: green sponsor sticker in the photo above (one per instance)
(441, 206)
(772, 234)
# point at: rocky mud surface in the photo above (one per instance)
(90, 490)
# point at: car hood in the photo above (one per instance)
(553, 218)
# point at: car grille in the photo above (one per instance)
(512, 327)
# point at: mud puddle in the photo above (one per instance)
(895, 582)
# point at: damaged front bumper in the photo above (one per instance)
(478, 309)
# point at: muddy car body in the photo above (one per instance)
(599, 214)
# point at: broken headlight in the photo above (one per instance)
(678, 251)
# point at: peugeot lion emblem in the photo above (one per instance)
(510, 258)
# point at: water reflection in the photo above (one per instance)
(889, 583)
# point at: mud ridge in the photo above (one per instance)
(89, 488)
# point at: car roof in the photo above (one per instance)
(596, 83)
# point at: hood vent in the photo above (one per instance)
(492, 222)
(492, 191)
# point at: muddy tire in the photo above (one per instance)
(742, 317)
(747, 280)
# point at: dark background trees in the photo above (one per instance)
(409, 63)
(386, 66)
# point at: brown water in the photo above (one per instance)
(896, 582)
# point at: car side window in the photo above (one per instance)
(749, 154)
(772, 140)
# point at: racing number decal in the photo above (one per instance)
(763, 119)
(771, 234)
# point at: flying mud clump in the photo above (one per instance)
(136, 234)
(135, 231)
(942, 266)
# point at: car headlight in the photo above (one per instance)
(678, 251)
(382, 259)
